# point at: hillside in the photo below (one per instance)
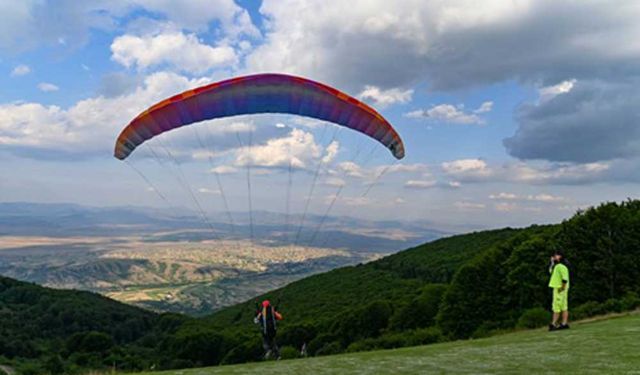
(597, 347)
(466, 286)
(400, 275)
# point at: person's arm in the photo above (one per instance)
(564, 285)
(278, 315)
(564, 272)
(551, 264)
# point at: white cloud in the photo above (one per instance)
(224, 169)
(401, 168)
(420, 184)
(549, 92)
(351, 169)
(384, 98)
(466, 167)
(208, 191)
(504, 196)
(20, 70)
(330, 152)
(562, 173)
(298, 148)
(86, 126)
(476, 170)
(512, 207)
(354, 170)
(452, 114)
(183, 52)
(545, 198)
(47, 87)
(484, 107)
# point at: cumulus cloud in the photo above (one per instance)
(47, 87)
(20, 70)
(331, 152)
(452, 114)
(351, 169)
(449, 44)
(298, 149)
(466, 168)
(86, 126)
(589, 122)
(384, 98)
(183, 52)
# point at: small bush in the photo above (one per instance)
(426, 336)
(534, 318)
(630, 301)
(331, 348)
(587, 310)
(612, 306)
(289, 352)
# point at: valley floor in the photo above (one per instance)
(608, 346)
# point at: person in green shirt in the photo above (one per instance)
(559, 282)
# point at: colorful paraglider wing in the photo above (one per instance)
(262, 93)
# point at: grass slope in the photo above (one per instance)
(595, 347)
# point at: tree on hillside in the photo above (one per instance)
(603, 243)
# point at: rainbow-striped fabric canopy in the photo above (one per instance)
(254, 94)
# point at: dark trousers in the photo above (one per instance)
(269, 345)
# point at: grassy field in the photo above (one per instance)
(608, 346)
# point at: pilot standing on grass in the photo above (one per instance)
(559, 282)
(267, 318)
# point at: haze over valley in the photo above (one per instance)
(169, 261)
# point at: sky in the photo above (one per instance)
(511, 112)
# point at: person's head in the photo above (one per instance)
(558, 256)
(266, 303)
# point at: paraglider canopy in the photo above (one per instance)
(261, 93)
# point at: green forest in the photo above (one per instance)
(465, 286)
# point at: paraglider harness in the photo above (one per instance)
(266, 316)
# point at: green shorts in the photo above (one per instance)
(560, 300)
